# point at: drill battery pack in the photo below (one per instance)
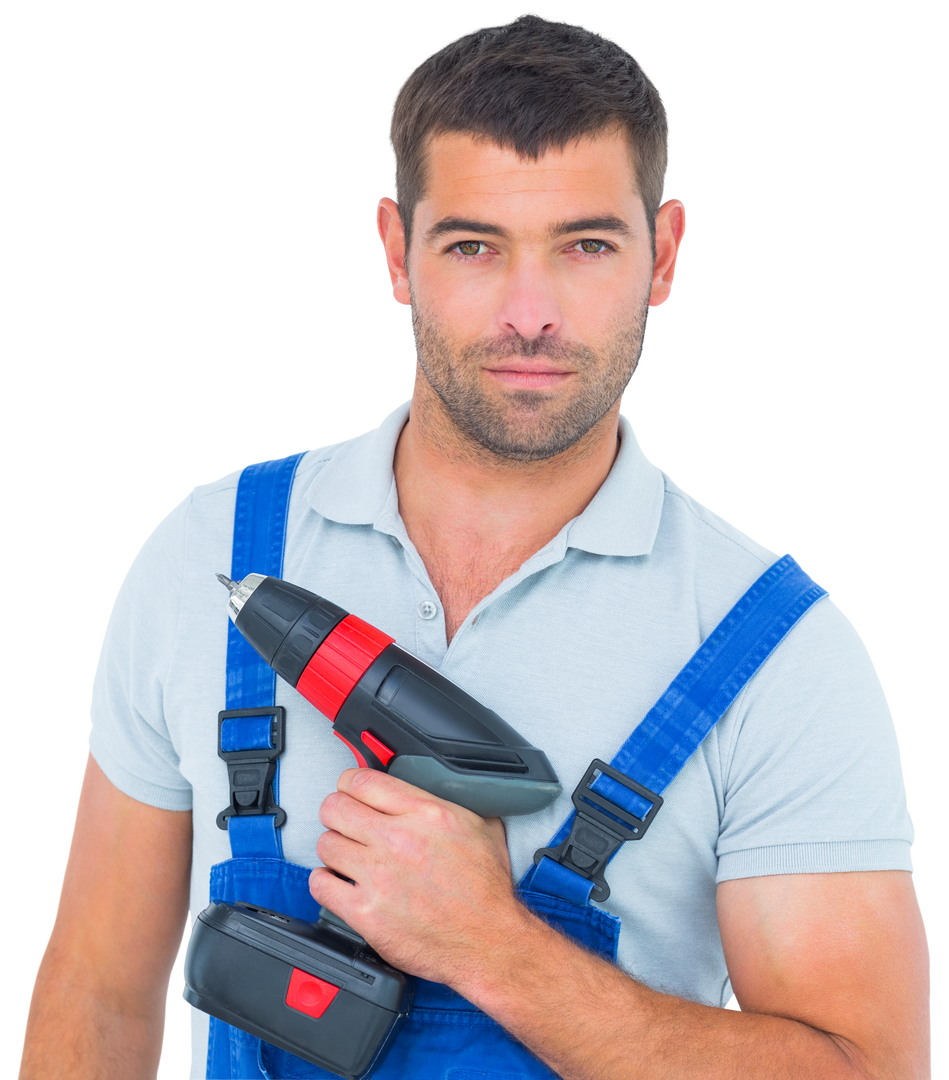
(308, 988)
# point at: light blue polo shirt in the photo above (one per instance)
(801, 775)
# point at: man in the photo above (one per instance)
(508, 529)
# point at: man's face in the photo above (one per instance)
(529, 284)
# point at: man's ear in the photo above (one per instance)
(670, 225)
(393, 240)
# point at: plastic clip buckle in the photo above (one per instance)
(251, 773)
(596, 835)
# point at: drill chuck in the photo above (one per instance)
(240, 592)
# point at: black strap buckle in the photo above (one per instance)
(596, 834)
(251, 773)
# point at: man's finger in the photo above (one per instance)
(341, 854)
(385, 793)
(347, 815)
(331, 891)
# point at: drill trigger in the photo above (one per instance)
(360, 759)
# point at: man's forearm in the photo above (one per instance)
(85, 1032)
(588, 1020)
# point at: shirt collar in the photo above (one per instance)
(355, 486)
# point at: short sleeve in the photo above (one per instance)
(130, 740)
(812, 779)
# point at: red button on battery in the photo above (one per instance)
(310, 995)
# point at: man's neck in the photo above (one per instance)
(474, 517)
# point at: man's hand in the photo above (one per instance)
(830, 969)
(432, 880)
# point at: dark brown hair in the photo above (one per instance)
(530, 86)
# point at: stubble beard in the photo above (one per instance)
(527, 425)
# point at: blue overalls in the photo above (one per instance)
(445, 1037)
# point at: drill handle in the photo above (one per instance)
(334, 922)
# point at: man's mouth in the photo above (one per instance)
(523, 374)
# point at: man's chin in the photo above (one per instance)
(525, 436)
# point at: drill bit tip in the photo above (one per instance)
(231, 585)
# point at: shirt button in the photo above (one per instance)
(427, 610)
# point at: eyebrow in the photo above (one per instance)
(607, 223)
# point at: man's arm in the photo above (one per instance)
(831, 970)
(99, 1002)
(843, 953)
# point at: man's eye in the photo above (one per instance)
(469, 247)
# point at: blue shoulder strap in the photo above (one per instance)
(260, 527)
(676, 725)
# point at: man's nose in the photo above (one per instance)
(529, 304)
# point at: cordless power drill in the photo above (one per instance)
(317, 989)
